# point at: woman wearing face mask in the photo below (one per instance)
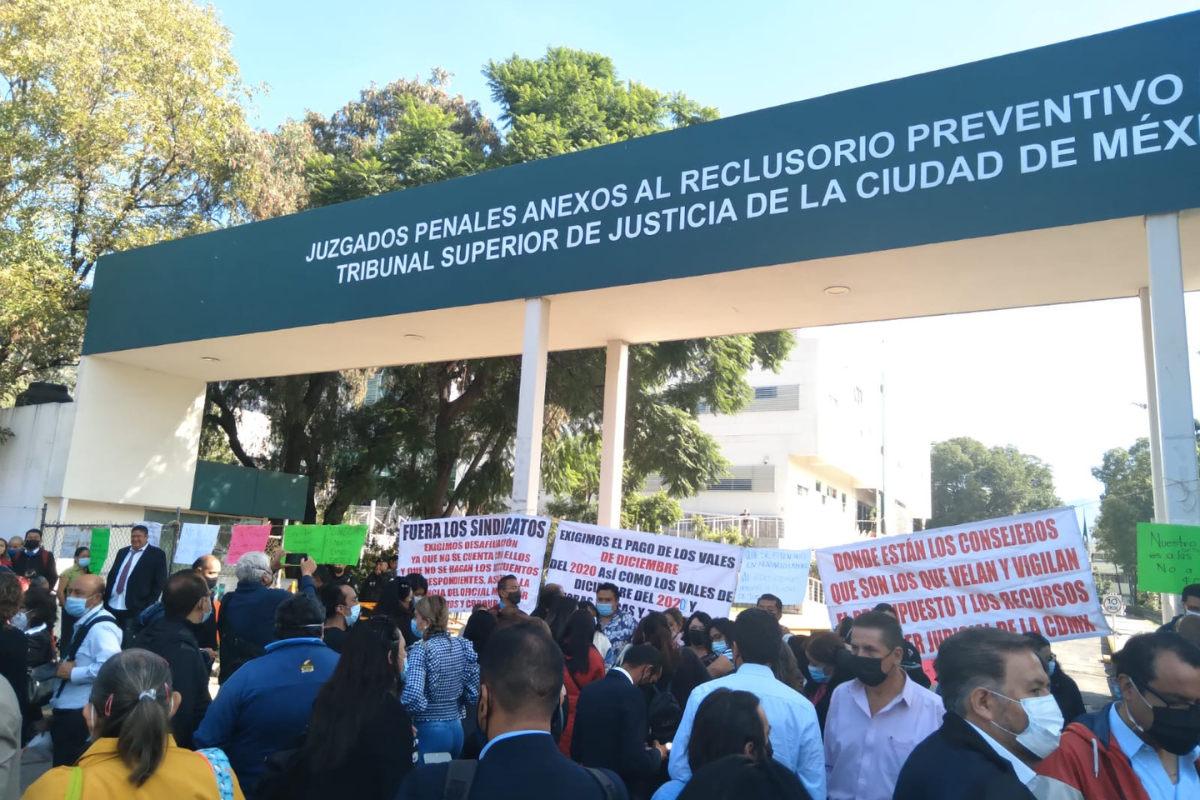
(675, 618)
(14, 549)
(442, 680)
(360, 740)
(80, 566)
(824, 650)
(695, 637)
(727, 723)
(720, 633)
(37, 619)
(133, 756)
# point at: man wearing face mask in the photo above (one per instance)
(33, 560)
(247, 619)
(209, 568)
(1144, 747)
(611, 723)
(508, 593)
(1191, 607)
(1001, 720)
(186, 602)
(522, 676)
(14, 549)
(618, 625)
(341, 612)
(878, 718)
(96, 638)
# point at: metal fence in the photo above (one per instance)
(751, 526)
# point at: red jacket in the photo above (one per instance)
(575, 684)
(1089, 764)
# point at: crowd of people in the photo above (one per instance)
(320, 695)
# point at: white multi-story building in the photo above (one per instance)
(812, 453)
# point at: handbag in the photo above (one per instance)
(41, 684)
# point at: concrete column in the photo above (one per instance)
(612, 445)
(1175, 430)
(1156, 468)
(527, 459)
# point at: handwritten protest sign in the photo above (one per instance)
(344, 543)
(766, 570)
(247, 539)
(194, 541)
(307, 539)
(652, 571)
(1028, 573)
(463, 557)
(1168, 557)
(99, 548)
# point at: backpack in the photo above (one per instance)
(664, 715)
(461, 776)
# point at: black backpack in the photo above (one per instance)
(461, 776)
(664, 715)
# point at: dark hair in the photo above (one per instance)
(590, 607)
(724, 723)
(975, 657)
(824, 647)
(639, 655)
(1137, 658)
(561, 611)
(705, 619)
(479, 628)
(417, 581)
(1038, 640)
(362, 682)
(10, 595)
(1191, 590)
(545, 597)
(727, 629)
(892, 634)
(523, 670)
(609, 587)
(331, 596)
(738, 777)
(577, 641)
(83, 548)
(131, 697)
(797, 644)
(770, 598)
(38, 531)
(323, 574)
(183, 590)
(757, 637)
(500, 582)
(43, 606)
(844, 626)
(655, 630)
(885, 608)
(298, 616)
(132, 530)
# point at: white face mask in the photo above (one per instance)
(1191, 613)
(1041, 735)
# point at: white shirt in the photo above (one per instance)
(795, 732)
(623, 672)
(102, 643)
(117, 601)
(864, 752)
(1024, 774)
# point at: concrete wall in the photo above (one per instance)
(135, 438)
(32, 461)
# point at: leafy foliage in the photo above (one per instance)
(973, 482)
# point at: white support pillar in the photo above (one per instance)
(1156, 467)
(1175, 430)
(612, 445)
(527, 460)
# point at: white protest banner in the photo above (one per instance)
(1028, 573)
(195, 540)
(73, 537)
(767, 570)
(463, 557)
(153, 532)
(653, 572)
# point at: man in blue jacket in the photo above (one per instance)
(246, 622)
(266, 704)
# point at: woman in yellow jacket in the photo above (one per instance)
(133, 755)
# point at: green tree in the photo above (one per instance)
(122, 121)
(972, 482)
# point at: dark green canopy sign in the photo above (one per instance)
(1094, 129)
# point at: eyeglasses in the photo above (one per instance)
(1179, 705)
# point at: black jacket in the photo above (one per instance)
(527, 767)
(1066, 693)
(172, 638)
(145, 583)
(610, 730)
(26, 566)
(955, 763)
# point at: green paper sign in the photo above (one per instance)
(99, 548)
(308, 539)
(1168, 557)
(344, 544)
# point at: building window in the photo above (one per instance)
(832, 492)
(818, 487)
(801, 490)
(843, 501)
(747, 479)
(823, 499)
(766, 392)
(732, 485)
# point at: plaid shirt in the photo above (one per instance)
(619, 631)
(441, 679)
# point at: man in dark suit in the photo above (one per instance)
(521, 680)
(136, 580)
(611, 723)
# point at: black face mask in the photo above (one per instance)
(868, 670)
(514, 598)
(212, 583)
(696, 638)
(1177, 730)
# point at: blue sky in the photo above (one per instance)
(744, 56)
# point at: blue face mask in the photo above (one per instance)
(412, 623)
(76, 606)
(605, 609)
(13, 553)
(83, 562)
(1053, 666)
(720, 648)
(818, 674)
(355, 610)
(207, 614)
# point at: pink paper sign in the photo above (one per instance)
(247, 539)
